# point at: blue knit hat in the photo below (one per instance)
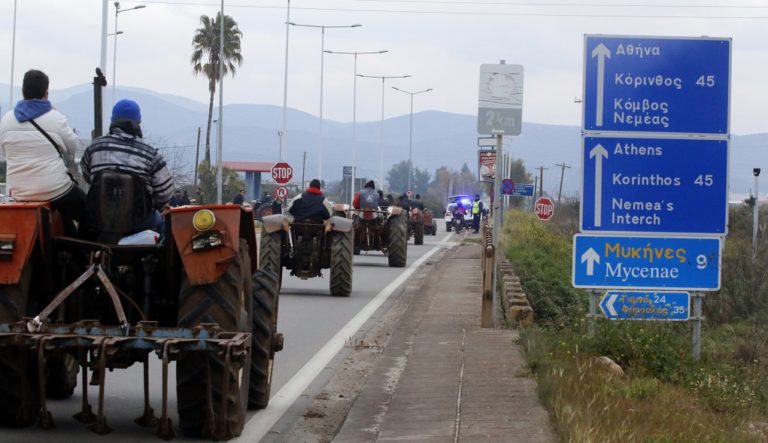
(126, 110)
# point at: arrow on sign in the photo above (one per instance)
(598, 152)
(609, 305)
(601, 52)
(591, 257)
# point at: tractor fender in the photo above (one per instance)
(20, 226)
(340, 224)
(274, 223)
(395, 210)
(206, 266)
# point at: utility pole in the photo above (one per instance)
(541, 180)
(755, 210)
(197, 155)
(563, 167)
(535, 187)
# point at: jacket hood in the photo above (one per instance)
(27, 110)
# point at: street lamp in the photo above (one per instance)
(322, 58)
(114, 48)
(13, 55)
(381, 127)
(354, 113)
(410, 135)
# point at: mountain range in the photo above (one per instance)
(251, 133)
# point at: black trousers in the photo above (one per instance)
(72, 207)
(476, 222)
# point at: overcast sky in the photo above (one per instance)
(440, 43)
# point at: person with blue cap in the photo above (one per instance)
(35, 138)
(124, 150)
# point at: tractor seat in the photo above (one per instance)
(117, 202)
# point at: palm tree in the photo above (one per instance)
(205, 58)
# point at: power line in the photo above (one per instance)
(477, 13)
(600, 5)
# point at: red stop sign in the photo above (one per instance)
(282, 173)
(544, 208)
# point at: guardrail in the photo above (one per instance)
(488, 264)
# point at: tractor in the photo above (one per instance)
(416, 226)
(430, 225)
(308, 246)
(382, 230)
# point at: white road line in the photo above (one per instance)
(258, 426)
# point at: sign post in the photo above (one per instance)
(544, 208)
(654, 195)
(282, 173)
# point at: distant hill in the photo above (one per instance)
(439, 138)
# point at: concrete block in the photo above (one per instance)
(521, 316)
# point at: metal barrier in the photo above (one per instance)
(488, 265)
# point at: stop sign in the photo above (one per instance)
(544, 208)
(282, 173)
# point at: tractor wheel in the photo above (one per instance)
(434, 228)
(448, 227)
(418, 233)
(270, 255)
(19, 405)
(264, 298)
(398, 242)
(341, 264)
(61, 375)
(221, 302)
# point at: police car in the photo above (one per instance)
(466, 202)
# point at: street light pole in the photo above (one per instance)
(381, 126)
(354, 114)
(410, 132)
(322, 59)
(13, 55)
(114, 48)
(285, 77)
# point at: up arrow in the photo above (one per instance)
(598, 152)
(601, 52)
(591, 258)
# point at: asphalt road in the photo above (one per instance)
(316, 327)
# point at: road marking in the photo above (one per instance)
(258, 426)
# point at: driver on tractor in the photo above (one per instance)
(368, 198)
(311, 205)
(124, 151)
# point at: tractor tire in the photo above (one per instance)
(218, 302)
(270, 255)
(398, 242)
(341, 264)
(448, 227)
(19, 402)
(418, 233)
(61, 375)
(264, 302)
(434, 228)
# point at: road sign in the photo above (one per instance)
(507, 186)
(282, 173)
(486, 161)
(501, 99)
(627, 305)
(653, 263)
(523, 190)
(654, 185)
(544, 208)
(280, 191)
(486, 142)
(656, 84)
(347, 171)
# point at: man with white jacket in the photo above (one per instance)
(35, 167)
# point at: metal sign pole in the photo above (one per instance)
(498, 217)
(697, 319)
(592, 312)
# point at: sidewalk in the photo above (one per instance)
(441, 378)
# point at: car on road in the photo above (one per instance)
(466, 201)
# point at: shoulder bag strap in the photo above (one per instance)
(50, 139)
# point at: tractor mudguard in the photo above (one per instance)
(20, 229)
(206, 261)
(395, 210)
(340, 224)
(274, 223)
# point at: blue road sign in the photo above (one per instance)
(523, 190)
(652, 263)
(507, 186)
(652, 84)
(628, 305)
(653, 185)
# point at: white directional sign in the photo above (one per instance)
(501, 99)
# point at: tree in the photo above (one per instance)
(397, 177)
(231, 182)
(205, 58)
